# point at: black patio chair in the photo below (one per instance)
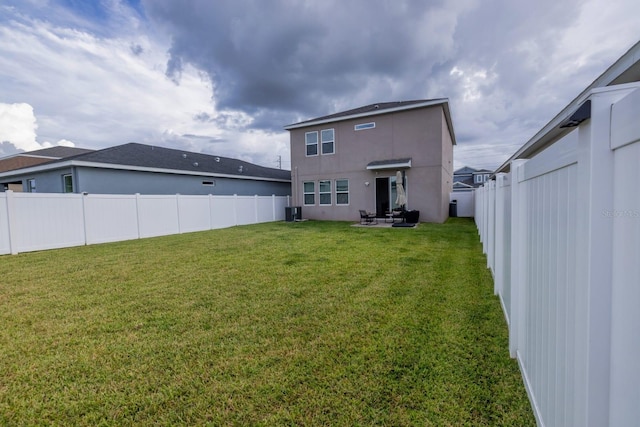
(367, 218)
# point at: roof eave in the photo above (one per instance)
(429, 103)
(76, 163)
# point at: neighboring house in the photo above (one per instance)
(467, 178)
(44, 155)
(145, 169)
(348, 161)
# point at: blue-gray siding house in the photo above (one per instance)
(145, 169)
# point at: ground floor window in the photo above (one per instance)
(309, 188)
(324, 190)
(342, 191)
(31, 185)
(67, 183)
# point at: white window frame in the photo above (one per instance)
(324, 193)
(31, 185)
(364, 126)
(339, 193)
(331, 141)
(308, 193)
(64, 182)
(308, 144)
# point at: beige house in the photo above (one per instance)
(351, 160)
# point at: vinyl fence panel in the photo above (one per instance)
(223, 211)
(562, 236)
(47, 221)
(110, 218)
(5, 239)
(194, 213)
(31, 221)
(245, 210)
(465, 203)
(625, 292)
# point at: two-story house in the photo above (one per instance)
(351, 160)
(468, 178)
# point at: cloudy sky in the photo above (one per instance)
(224, 77)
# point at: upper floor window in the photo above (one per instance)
(342, 191)
(311, 142)
(324, 191)
(481, 178)
(363, 126)
(309, 189)
(328, 141)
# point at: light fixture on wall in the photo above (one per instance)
(366, 183)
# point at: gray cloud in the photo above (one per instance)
(296, 60)
(304, 59)
(8, 149)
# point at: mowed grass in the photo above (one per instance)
(312, 323)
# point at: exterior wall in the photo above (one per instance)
(105, 181)
(415, 134)
(109, 181)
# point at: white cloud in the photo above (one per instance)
(100, 91)
(18, 126)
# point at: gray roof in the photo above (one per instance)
(380, 108)
(149, 156)
(371, 108)
(58, 152)
(168, 160)
(469, 170)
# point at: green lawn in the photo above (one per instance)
(311, 323)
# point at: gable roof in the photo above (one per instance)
(465, 170)
(141, 157)
(380, 108)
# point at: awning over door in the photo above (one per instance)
(390, 164)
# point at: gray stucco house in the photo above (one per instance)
(468, 178)
(348, 161)
(145, 169)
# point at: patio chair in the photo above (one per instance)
(397, 214)
(367, 218)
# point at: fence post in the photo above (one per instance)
(210, 211)
(518, 258)
(138, 213)
(594, 260)
(84, 217)
(256, 202)
(499, 227)
(491, 222)
(178, 212)
(273, 204)
(235, 209)
(13, 238)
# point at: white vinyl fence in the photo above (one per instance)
(465, 201)
(33, 221)
(562, 236)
